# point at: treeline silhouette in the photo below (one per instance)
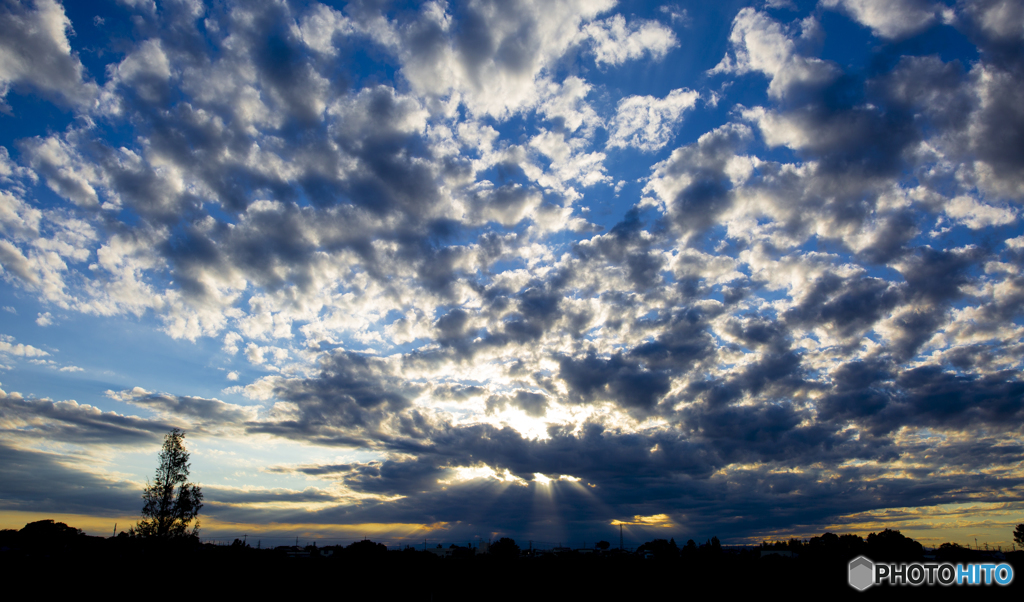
(45, 550)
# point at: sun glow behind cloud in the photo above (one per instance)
(462, 474)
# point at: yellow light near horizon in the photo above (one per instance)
(655, 520)
(990, 523)
(355, 531)
(211, 528)
(102, 526)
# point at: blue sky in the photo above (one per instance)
(466, 270)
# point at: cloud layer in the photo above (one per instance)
(805, 306)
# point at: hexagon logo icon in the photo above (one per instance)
(861, 573)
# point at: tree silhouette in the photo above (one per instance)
(505, 548)
(171, 502)
(49, 530)
(43, 537)
(892, 545)
(954, 552)
(366, 549)
(659, 548)
(1018, 535)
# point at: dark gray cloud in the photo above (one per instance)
(617, 378)
(885, 399)
(351, 399)
(994, 25)
(77, 423)
(533, 404)
(44, 482)
(312, 470)
(626, 246)
(216, 497)
(205, 413)
(675, 477)
(934, 397)
(702, 189)
(849, 305)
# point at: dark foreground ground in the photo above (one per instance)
(139, 569)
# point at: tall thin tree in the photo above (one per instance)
(171, 503)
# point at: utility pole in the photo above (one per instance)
(115, 530)
(620, 537)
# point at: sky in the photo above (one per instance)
(527, 268)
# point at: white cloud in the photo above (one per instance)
(67, 172)
(569, 162)
(564, 102)
(18, 219)
(888, 18)
(320, 25)
(40, 266)
(761, 44)
(255, 353)
(975, 215)
(9, 170)
(146, 70)
(34, 50)
(615, 42)
(148, 60)
(8, 346)
(231, 341)
(648, 123)
(494, 62)
(807, 129)
(13, 260)
(141, 5)
(676, 13)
